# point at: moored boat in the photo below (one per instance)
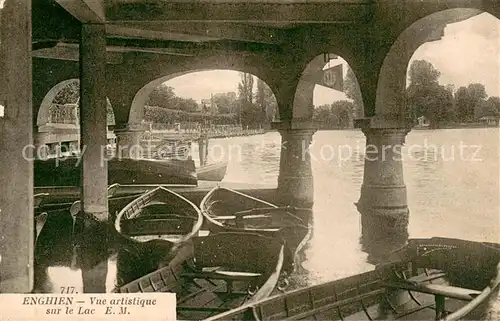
(49, 202)
(40, 217)
(228, 210)
(215, 273)
(212, 172)
(159, 214)
(429, 279)
(67, 171)
(178, 148)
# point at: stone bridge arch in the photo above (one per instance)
(136, 113)
(133, 89)
(390, 106)
(44, 108)
(50, 132)
(43, 113)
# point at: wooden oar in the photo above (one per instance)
(271, 210)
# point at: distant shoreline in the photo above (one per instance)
(456, 126)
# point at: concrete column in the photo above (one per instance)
(16, 132)
(128, 141)
(93, 126)
(383, 203)
(93, 133)
(295, 180)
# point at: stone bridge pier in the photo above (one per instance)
(123, 49)
(295, 180)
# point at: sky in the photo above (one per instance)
(469, 52)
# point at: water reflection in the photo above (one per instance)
(457, 199)
(380, 245)
(96, 255)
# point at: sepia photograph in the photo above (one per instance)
(249, 160)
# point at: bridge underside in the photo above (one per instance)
(118, 48)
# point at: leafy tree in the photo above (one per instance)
(226, 102)
(487, 107)
(477, 91)
(425, 97)
(265, 101)
(495, 101)
(260, 98)
(344, 113)
(462, 102)
(271, 104)
(432, 101)
(423, 73)
(323, 117)
(187, 105)
(162, 96)
(338, 115)
(69, 94)
(245, 88)
(468, 100)
(250, 114)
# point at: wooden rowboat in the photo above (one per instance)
(40, 217)
(45, 205)
(227, 210)
(426, 281)
(48, 202)
(177, 148)
(67, 171)
(215, 273)
(159, 214)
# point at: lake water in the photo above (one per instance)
(452, 179)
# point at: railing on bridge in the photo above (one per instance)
(194, 131)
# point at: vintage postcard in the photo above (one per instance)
(249, 160)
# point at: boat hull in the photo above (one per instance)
(212, 172)
(159, 212)
(67, 172)
(288, 224)
(246, 262)
(405, 288)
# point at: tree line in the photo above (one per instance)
(443, 105)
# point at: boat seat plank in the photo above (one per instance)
(333, 305)
(220, 276)
(437, 289)
(148, 225)
(198, 292)
(233, 217)
(203, 309)
(409, 314)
